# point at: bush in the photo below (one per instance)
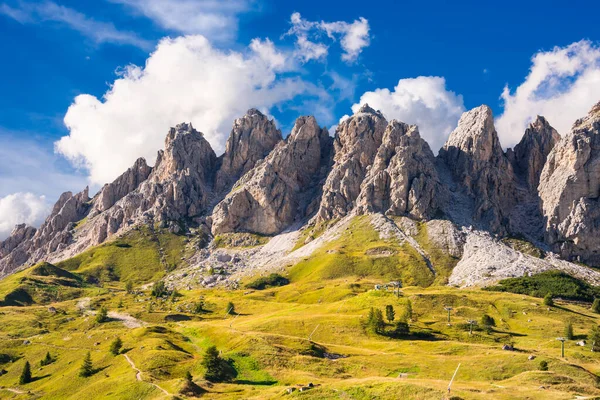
(199, 306)
(402, 329)
(230, 309)
(115, 346)
(543, 365)
(129, 287)
(159, 289)
(596, 306)
(217, 369)
(102, 315)
(556, 282)
(264, 282)
(25, 374)
(486, 320)
(548, 300)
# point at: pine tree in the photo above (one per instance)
(129, 287)
(375, 323)
(46, 360)
(569, 330)
(390, 314)
(594, 337)
(548, 300)
(230, 309)
(115, 346)
(596, 306)
(26, 374)
(87, 368)
(407, 314)
(102, 315)
(217, 369)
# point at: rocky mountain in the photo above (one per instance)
(304, 190)
(569, 190)
(278, 191)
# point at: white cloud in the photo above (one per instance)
(98, 31)
(185, 79)
(215, 19)
(20, 208)
(423, 101)
(354, 37)
(563, 84)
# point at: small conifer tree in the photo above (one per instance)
(26, 374)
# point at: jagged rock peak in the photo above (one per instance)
(570, 188)
(252, 138)
(356, 143)
(533, 149)
(19, 234)
(475, 157)
(120, 187)
(185, 148)
(403, 179)
(276, 192)
(475, 135)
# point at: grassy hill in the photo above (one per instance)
(311, 330)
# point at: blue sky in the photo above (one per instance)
(421, 62)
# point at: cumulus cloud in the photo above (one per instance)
(185, 79)
(353, 37)
(563, 84)
(98, 31)
(20, 208)
(423, 101)
(214, 19)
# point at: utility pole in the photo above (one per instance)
(312, 333)
(448, 309)
(452, 380)
(234, 318)
(562, 346)
(471, 322)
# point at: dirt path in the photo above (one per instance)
(138, 376)
(126, 319)
(17, 391)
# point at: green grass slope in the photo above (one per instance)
(360, 252)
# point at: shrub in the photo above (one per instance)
(596, 306)
(129, 287)
(402, 329)
(556, 282)
(486, 320)
(217, 369)
(548, 300)
(115, 346)
(102, 315)
(25, 374)
(273, 280)
(159, 289)
(199, 306)
(543, 365)
(230, 309)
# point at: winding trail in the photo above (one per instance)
(138, 376)
(14, 390)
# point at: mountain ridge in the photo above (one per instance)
(264, 184)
